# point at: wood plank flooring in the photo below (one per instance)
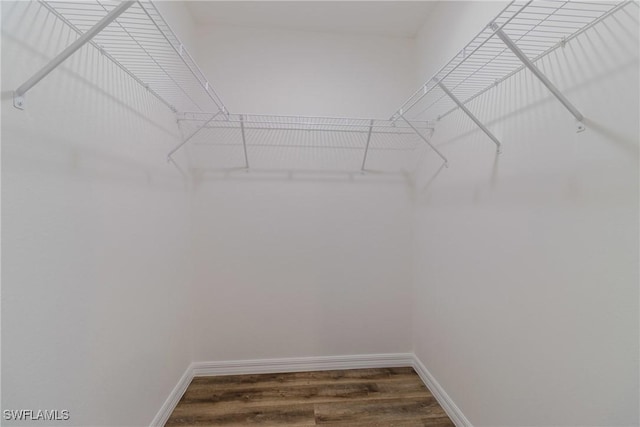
(355, 398)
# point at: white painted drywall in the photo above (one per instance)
(310, 266)
(95, 236)
(180, 20)
(286, 72)
(381, 18)
(302, 264)
(524, 301)
(448, 28)
(526, 264)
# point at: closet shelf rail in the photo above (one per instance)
(521, 34)
(255, 130)
(307, 123)
(135, 36)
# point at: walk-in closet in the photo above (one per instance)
(301, 213)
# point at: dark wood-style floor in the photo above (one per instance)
(356, 398)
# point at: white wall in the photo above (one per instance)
(180, 20)
(95, 236)
(302, 264)
(302, 267)
(526, 264)
(524, 303)
(448, 28)
(269, 71)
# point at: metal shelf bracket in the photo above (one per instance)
(446, 162)
(469, 113)
(366, 149)
(536, 71)
(187, 139)
(244, 142)
(19, 93)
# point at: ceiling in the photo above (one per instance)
(384, 18)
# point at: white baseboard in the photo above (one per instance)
(174, 397)
(301, 364)
(441, 396)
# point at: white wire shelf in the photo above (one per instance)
(536, 27)
(318, 124)
(245, 140)
(134, 35)
(141, 43)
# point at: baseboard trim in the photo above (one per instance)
(441, 396)
(301, 364)
(174, 397)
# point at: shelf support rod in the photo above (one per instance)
(446, 162)
(470, 114)
(366, 149)
(244, 142)
(536, 71)
(18, 94)
(179, 146)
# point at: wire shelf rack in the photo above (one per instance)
(141, 43)
(134, 35)
(295, 142)
(536, 27)
(303, 123)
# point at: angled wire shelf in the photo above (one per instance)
(138, 39)
(134, 35)
(522, 33)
